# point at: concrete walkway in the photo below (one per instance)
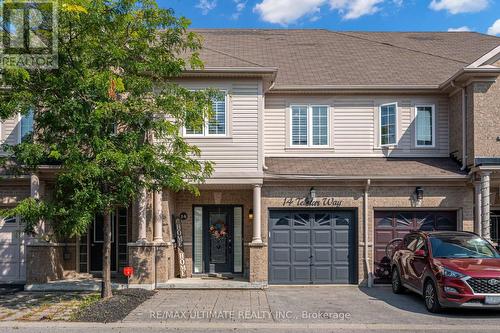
(302, 305)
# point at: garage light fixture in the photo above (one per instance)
(250, 214)
(312, 193)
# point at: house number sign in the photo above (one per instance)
(305, 202)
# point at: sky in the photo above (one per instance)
(347, 15)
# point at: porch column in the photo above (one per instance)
(257, 238)
(35, 194)
(35, 186)
(158, 217)
(142, 207)
(478, 209)
(485, 204)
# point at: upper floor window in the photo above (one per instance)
(425, 126)
(26, 125)
(217, 125)
(388, 124)
(309, 125)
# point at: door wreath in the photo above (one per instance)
(218, 230)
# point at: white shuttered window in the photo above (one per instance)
(309, 126)
(217, 125)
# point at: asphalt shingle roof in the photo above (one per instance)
(369, 167)
(322, 57)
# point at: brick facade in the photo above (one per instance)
(387, 197)
(486, 119)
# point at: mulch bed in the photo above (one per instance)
(115, 308)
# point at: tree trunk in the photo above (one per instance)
(106, 257)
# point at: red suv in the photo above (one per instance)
(449, 269)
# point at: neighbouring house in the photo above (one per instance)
(327, 146)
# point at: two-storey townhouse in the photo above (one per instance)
(327, 146)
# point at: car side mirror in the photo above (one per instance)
(420, 253)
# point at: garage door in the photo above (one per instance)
(311, 247)
(396, 224)
(12, 265)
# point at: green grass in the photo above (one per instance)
(84, 303)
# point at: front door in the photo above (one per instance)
(96, 236)
(218, 239)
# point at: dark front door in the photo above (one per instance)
(218, 240)
(96, 236)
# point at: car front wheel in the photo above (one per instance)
(431, 298)
(397, 286)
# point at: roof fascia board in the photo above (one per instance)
(356, 88)
(486, 59)
(468, 74)
(243, 70)
(307, 177)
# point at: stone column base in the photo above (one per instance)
(151, 262)
(258, 262)
(49, 261)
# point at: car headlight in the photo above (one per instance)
(452, 274)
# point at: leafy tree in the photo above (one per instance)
(106, 116)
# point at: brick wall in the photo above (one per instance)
(456, 125)
(12, 193)
(459, 198)
(486, 119)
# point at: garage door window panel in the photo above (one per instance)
(404, 220)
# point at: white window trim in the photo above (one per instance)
(309, 126)
(19, 132)
(19, 117)
(433, 106)
(395, 144)
(206, 121)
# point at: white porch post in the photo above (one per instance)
(158, 217)
(257, 238)
(485, 204)
(478, 209)
(35, 194)
(35, 186)
(142, 206)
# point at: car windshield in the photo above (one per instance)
(461, 246)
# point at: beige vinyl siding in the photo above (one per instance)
(10, 131)
(354, 126)
(237, 153)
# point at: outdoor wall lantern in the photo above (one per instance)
(183, 216)
(250, 214)
(312, 194)
(419, 193)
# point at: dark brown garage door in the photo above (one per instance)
(395, 224)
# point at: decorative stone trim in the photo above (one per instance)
(256, 244)
(142, 286)
(34, 244)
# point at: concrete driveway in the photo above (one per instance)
(324, 306)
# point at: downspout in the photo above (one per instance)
(464, 129)
(365, 234)
(264, 166)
